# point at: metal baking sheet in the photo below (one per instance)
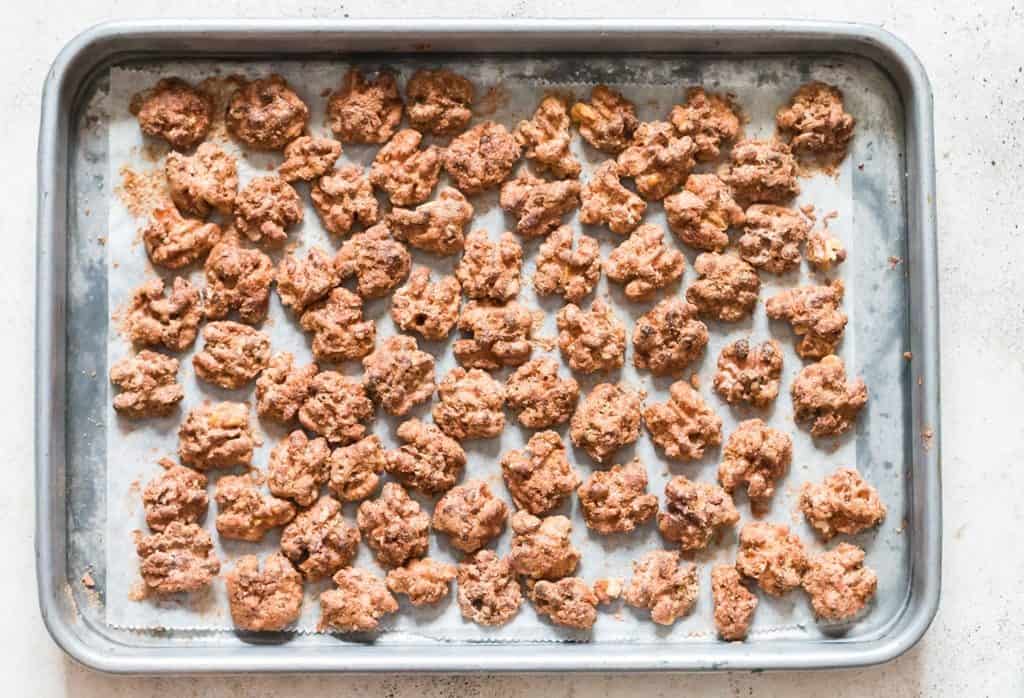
(890, 215)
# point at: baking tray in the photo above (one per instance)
(896, 197)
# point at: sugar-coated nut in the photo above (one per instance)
(824, 250)
(266, 113)
(481, 158)
(439, 101)
(685, 425)
(470, 405)
(498, 335)
(668, 337)
(734, 604)
(244, 512)
(702, 212)
(539, 477)
(772, 555)
(172, 321)
(378, 261)
(763, 172)
(339, 331)
(709, 119)
(233, 354)
(608, 121)
(605, 201)
(541, 548)
(298, 467)
(644, 263)
(237, 279)
(616, 500)
(814, 314)
(320, 541)
(423, 581)
(176, 494)
(488, 592)
(539, 395)
(336, 408)
(265, 209)
(355, 469)
(216, 435)
(839, 584)
(470, 515)
(755, 455)
(606, 420)
(394, 526)
(488, 270)
(608, 590)
(428, 460)
(173, 242)
(824, 400)
(358, 603)
(404, 172)
(843, 503)
(546, 140)
(344, 197)
(816, 122)
(205, 180)
(663, 586)
(591, 340)
(302, 281)
(772, 236)
(538, 205)
(569, 602)
(398, 375)
(437, 226)
(174, 111)
(694, 511)
(749, 373)
(267, 599)
(657, 159)
(564, 269)
(148, 384)
(308, 157)
(429, 308)
(727, 288)
(365, 111)
(178, 559)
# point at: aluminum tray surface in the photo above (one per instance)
(894, 312)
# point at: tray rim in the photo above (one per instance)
(102, 44)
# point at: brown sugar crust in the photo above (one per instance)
(763, 172)
(658, 160)
(607, 121)
(824, 250)
(216, 435)
(694, 511)
(439, 101)
(711, 120)
(664, 587)
(428, 460)
(471, 515)
(424, 581)
(489, 270)
(605, 201)
(173, 241)
(685, 425)
(546, 140)
(815, 316)
(702, 212)
(365, 111)
(772, 555)
(266, 113)
(270, 599)
(644, 263)
(734, 604)
(488, 592)
(308, 158)
(498, 335)
(282, 387)
(298, 467)
(336, 408)
(481, 158)
(339, 331)
(569, 602)
(148, 384)
(537, 204)
(541, 548)
(237, 279)
(355, 469)
(616, 500)
(437, 226)
(344, 197)
(749, 373)
(843, 503)
(539, 477)
(320, 541)
(755, 455)
(772, 236)
(727, 288)
(403, 171)
(303, 281)
(470, 405)
(265, 209)
(398, 375)
(233, 354)
(606, 420)
(539, 395)
(394, 526)
(569, 271)
(378, 261)
(204, 181)
(357, 605)
(244, 512)
(668, 337)
(177, 494)
(839, 584)
(591, 340)
(178, 559)
(824, 400)
(815, 121)
(428, 308)
(174, 111)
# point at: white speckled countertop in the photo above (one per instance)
(975, 58)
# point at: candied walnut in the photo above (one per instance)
(177, 494)
(358, 603)
(644, 263)
(734, 604)
(608, 590)
(471, 515)
(302, 282)
(428, 460)
(424, 581)
(616, 500)
(298, 467)
(173, 241)
(748, 373)
(541, 548)
(605, 201)
(763, 171)
(174, 111)
(394, 526)
(237, 279)
(488, 270)
(843, 503)
(233, 354)
(572, 273)
(365, 111)
(398, 375)
(270, 599)
(320, 541)
(839, 584)
(709, 119)
(757, 455)
(203, 181)
(657, 159)
(538, 205)
(379, 262)
(343, 197)
(771, 238)
(283, 387)
(813, 313)
(694, 511)
(607, 420)
(539, 477)
(546, 140)
(815, 122)
(266, 208)
(436, 226)
(266, 113)
(405, 173)
(499, 335)
(702, 212)
(824, 399)
(355, 469)
(668, 337)
(481, 158)
(339, 331)
(727, 288)
(470, 405)
(488, 592)
(664, 587)
(216, 435)
(439, 102)
(180, 558)
(307, 158)
(245, 513)
(685, 425)
(824, 250)
(591, 340)
(569, 602)
(336, 408)
(608, 121)
(148, 383)
(539, 395)
(431, 309)
(172, 321)
(772, 555)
